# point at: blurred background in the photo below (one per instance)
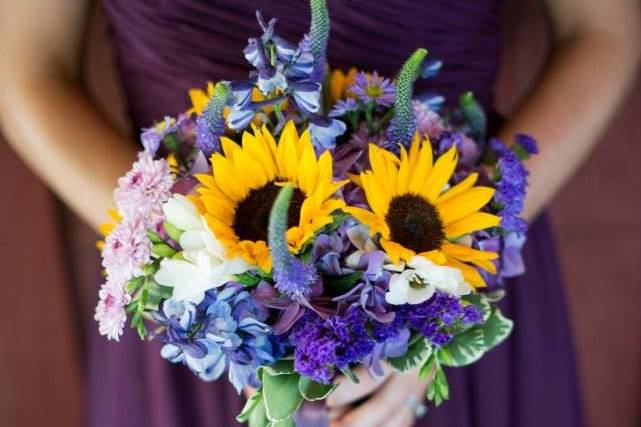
(597, 215)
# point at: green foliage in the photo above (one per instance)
(438, 389)
(281, 394)
(469, 346)
(338, 285)
(403, 114)
(172, 231)
(418, 352)
(312, 390)
(474, 115)
(162, 250)
(481, 303)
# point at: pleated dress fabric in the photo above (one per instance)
(166, 47)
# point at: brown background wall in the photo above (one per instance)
(45, 295)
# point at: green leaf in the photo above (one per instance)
(248, 279)
(464, 349)
(496, 329)
(282, 397)
(288, 422)
(337, 285)
(258, 416)
(480, 301)
(250, 405)
(172, 231)
(162, 250)
(154, 237)
(133, 284)
(312, 390)
(417, 354)
(438, 389)
(281, 367)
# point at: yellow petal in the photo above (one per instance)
(465, 253)
(372, 221)
(440, 174)
(470, 274)
(421, 170)
(227, 178)
(396, 251)
(475, 222)
(465, 203)
(468, 182)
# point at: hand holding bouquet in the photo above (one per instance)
(294, 226)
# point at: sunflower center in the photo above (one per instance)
(415, 223)
(251, 218)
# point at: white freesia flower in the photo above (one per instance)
(205, 265)
(421, 278)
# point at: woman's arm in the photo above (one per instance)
(45, 113)
(596, 50)
(597, 45)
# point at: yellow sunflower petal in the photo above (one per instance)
(467, 183)
(465, 203)
(227, 178)
(440, 174)
(465, 253)
(475, 222)
(369, 219)
(421, 169)
(470, 274)
(396, 252)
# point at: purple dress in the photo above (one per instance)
(168, 46)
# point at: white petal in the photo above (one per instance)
(182, 213)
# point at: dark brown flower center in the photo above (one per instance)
(252, 213)
(415, 223)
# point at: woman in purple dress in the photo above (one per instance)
(167, 47)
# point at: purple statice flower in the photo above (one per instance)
(374, 88)
(144, 189)
(434, 318)
(126, 248)
(224, 332)
(110, 311)
(152, 137)
(511, 187)
(321, 346)
(467, 148)
(343, 107)
(527, 142)
(428, 122)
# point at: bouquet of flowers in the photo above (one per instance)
(293, 226)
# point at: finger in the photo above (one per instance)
(337, 413)
(382, 405)
(348, 392)
(401, 419)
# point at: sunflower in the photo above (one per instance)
(237, 197)
(415, 214)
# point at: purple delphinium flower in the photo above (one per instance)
(343, 107)
(434, 317)
(511, 188)
(224, 332)
(374, 88)
(324, 134)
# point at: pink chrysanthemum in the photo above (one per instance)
(428, 122)
(144, 189)
(127, 248)
(110, 311)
